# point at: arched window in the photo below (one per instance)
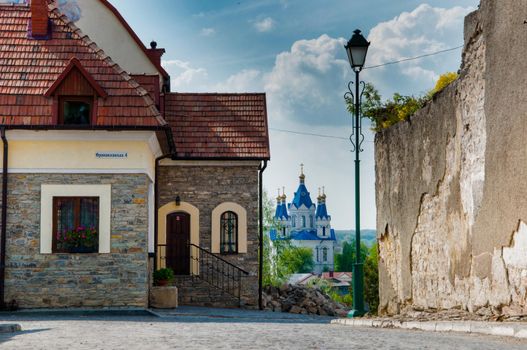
(323, 230)
(283, 231)
(303, 221)
(311, 221)
(318, 257)
(229, 233)
(294, 220)
(325, 254)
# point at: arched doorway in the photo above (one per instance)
(178, 239)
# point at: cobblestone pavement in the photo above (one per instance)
(193, 328)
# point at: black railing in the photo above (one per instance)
(210, 268)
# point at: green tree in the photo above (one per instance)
(344, 261)
(371, 279)
(296, 260)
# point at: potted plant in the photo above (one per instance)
(79, 240)
(163, 277)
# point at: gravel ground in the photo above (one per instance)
(194, 328)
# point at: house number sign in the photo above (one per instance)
(111, 155)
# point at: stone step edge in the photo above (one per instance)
(475, 327)
(10, 328)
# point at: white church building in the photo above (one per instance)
(306, 225)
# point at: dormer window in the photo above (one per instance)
(75, 110)
(76, 96)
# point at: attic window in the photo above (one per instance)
(75, 110)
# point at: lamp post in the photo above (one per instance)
(357, 48)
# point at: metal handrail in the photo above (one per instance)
(212, 269)
(219, 258)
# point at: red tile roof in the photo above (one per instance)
(213, 125)
(150, 83)
(28, 68)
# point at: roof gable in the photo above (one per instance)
(30, 68)
(152, 57)
(75, 66)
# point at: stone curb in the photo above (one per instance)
(516, 330)
(10, 328)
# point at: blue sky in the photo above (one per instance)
(293, 51)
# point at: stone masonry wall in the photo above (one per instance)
(118, 279)
(451, 182)
(207, 186)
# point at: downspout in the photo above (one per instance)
(172, 155)
(156, 204)
(3, 232)
(261, 169)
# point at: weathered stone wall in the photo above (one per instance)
(118, 279)
(451, 182)
(207, 186)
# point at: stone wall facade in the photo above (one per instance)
(451, 182)
(118, 279)
(207, 185)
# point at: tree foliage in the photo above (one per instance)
(399, 107)
(371, 279)
(370, 258)
(344, 261)
(296, 260)
(443, 81)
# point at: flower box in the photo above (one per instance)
(81, 240)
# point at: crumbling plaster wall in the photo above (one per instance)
(451, 182)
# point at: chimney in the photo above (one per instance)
(154, 53)
(39, 24)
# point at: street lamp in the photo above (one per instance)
(357, 48)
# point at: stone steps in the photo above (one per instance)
(196, 292)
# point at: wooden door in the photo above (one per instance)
(178, 239)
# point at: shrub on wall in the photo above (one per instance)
(399, 107)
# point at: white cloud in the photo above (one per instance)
(208, 32)
(306, 83)
(424, 30)
(248, 80)
(184, 76)
(265, 25)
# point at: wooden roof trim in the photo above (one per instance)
(75, 63)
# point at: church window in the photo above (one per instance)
(283, 231)
(323, 230)
(229, 233)
(303, 221)
(311, 221)
(318, 258)
(294, 220)
(325, 254)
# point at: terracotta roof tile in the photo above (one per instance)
(28, 68)
(218, 125)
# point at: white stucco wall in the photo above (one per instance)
(103, 27)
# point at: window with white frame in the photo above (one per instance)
(80, 213)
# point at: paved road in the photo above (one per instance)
(191, 328)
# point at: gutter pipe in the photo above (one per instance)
(261, 169)
(3, 231)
